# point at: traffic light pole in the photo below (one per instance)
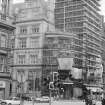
(50, 98)
(49, 93)
(51, 87)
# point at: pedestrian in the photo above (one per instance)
(90, 102)
(86, 100)
(103, 101)
(93, 102)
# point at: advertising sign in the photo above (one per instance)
(65, 63)
(76, 73)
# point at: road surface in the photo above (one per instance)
(60, 103)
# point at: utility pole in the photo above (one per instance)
(50, 97)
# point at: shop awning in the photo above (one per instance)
(95, 89)
(67, 83)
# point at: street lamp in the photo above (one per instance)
(34, 77)
(21, 79)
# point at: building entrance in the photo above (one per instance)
(2, 93)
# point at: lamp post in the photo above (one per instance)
(21, 81)
(34, 77)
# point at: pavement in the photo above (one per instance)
(61, 103)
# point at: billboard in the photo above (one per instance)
(65, 63)
(76, 73)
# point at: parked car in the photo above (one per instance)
(12, 101)
(42, 99)
(2, 103)
(1, 100)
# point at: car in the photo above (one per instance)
(3, 103)
(44, 99)
(38, 99)
(1, 100)
(12, 101)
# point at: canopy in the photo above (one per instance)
(95, 89)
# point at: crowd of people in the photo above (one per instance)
(89, 100)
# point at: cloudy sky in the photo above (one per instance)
(102, 5)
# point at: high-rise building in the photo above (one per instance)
(6, 35)
(103, 56)
(82, 18)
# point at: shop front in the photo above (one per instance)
(68, 90)
(2, 89)
(96, 92)
(71, 91)
(2, 92)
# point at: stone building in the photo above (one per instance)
(6, 34)
(40, 50)
(32, 21)
(35, 41)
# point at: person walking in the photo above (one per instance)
(103, 101)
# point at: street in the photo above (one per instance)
(60, 103)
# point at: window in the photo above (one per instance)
(34, 42)
(3, 6)
(22, 43)
(12, 43)
(33, 59)
(23, 30)
(30, 75)
(21, 59)
(2, 64)
(35, 28)
(3, 41)
(3, 17)
(34, 75)
(20, 75)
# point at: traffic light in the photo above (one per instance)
(70, 76)
(56, 83)
(55, 76)
(46, 81)
(51, 86)
(61, 90)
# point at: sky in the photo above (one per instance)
(102, 6)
